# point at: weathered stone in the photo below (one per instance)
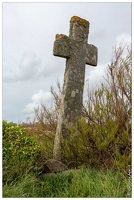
(77, 53)
(45, 169)
(55, 166)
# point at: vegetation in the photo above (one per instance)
(99, 143)
(80, 183)
(102, 136)
(20, 152)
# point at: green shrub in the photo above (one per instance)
(102, 137)
(20, 152)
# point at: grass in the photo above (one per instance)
(76, 183)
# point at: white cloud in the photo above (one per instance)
(37, 99)
(41, 95)
(123, 39)
(95, 76)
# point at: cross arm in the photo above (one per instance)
(62, 46)
(91, 55)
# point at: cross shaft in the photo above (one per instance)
(77, 53)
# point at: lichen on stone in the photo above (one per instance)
(80, 20)
(73, 94)
(59, 36)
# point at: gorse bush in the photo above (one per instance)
(20, 152)
(102, 137)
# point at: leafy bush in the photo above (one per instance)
(20, 152)
(43, 137)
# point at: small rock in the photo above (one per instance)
(55, 166)
(42, 170)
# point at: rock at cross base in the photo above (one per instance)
(54, 166)
(78, 53)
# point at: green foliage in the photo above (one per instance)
(20, 152)
(94, 145)
(26, 186)
(44, 138)
(76, 183)
(102, 137)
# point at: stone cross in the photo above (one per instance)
(78, 53)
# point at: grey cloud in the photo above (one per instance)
(29, 66)
(32, 68)
(28, 69)
(29, 31)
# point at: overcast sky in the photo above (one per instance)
(29, 67)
